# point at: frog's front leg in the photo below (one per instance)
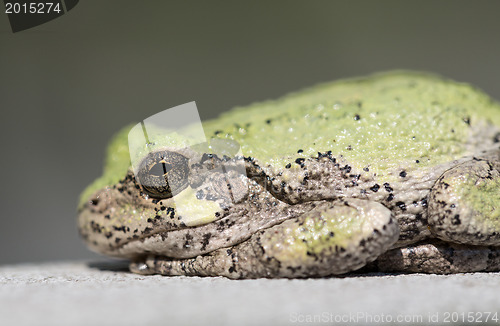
(464, 204)
(333, 238)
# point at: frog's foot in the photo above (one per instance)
(464, 205)
(333, 238)
(438, 257)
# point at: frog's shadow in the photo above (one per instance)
(110, 265)
(123, 266)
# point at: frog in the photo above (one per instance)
(394, 172)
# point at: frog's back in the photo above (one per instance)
(383, 120)
(379, 122)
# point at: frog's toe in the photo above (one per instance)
(334, 238)
(464, 205)
(438, 257)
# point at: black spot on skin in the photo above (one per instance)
(232, 269)
(467, 120)
(107, 217)
(366, 169)
(401, 205)
(375, 188)
(171, 211)
(300, 151)
(121, 228)
(300, 161)
(417, 161)
(390, 197)
(357, 117)
(217, 132)
(423, 202)
(96, 227)
(331, 234)
(188, 237)
(456, 220)
(117, 240)
(206, 240)
(289, 165)
(388, 187)
(306, 176)
(402, 174)
(346, 169)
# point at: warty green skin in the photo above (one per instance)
(338, 175)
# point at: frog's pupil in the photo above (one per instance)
(160, 169)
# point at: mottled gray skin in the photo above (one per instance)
(253, 259)
(297, 227)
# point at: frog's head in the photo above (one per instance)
(157, 187)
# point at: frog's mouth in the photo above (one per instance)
(128, 232)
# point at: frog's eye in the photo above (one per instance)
(163, 174)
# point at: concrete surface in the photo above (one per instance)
(104, 293)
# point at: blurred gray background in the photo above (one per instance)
(68, 85)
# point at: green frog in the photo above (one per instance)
(394, 172)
